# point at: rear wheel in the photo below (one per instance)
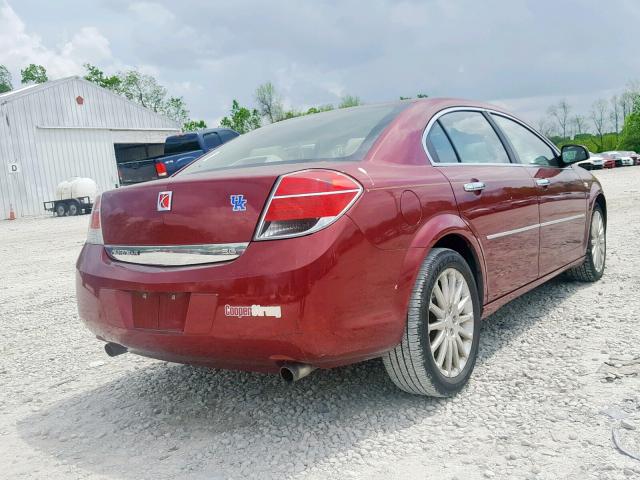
(74, 208)
(592, 268)
(61, 210)
(440, 344)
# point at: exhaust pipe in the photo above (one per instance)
(114, 349)
(292, 372)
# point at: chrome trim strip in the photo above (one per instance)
(560, 220)
(316, 194)
(176, 255)
(320, 225)
(512, 232)
(535, 225)
(446, 110)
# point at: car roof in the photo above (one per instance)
(404, 133)
(216, 129)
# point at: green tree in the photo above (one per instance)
(310, 111)
(193, 125)
(320, 108)
(630, 136)
(241, 119)
(349, 101)
(291, 114)
(145, 90)
(593, 143)
(97, 76)
(5, 80)
(142, 89)
(34, 74)
(176, 109)
(269, 102)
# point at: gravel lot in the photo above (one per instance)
(542, 402)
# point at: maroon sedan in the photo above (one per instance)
(377, 231)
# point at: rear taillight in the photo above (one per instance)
(94, 235)
(305, 202)
(161, 169)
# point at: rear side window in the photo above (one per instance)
(211, 140)
(439, 146)
(529, 148)
(343, 134)
(227, 135)
(474, 138)
(181, 144)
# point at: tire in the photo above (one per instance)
(411, 364)
(593, 266)
(74, 209)
(61, 210)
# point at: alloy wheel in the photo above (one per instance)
(451, 324)
(598, 241)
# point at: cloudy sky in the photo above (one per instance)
(519, 53)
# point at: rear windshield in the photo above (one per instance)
(181, 144)
(344, 134)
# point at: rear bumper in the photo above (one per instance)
(327, 299)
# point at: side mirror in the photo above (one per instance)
(574, 153)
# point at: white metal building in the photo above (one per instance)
(67, 128)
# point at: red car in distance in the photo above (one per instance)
(611, 158)
(608, 162)
(376, 231)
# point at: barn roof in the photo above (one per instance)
(20, 93)
(29, 89)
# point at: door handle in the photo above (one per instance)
(542, 182)
(474, 187)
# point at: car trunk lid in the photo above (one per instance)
(204, 209)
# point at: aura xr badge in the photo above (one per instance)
(238, 203)
(164, 201)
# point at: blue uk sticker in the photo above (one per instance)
(239, 203)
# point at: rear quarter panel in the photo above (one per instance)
(408, 204)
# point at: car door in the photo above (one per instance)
(561, 192)
(496, 197)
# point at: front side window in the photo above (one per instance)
(474, 138)
(530, 149)
(343, 134)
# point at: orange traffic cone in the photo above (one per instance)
(12, 214)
